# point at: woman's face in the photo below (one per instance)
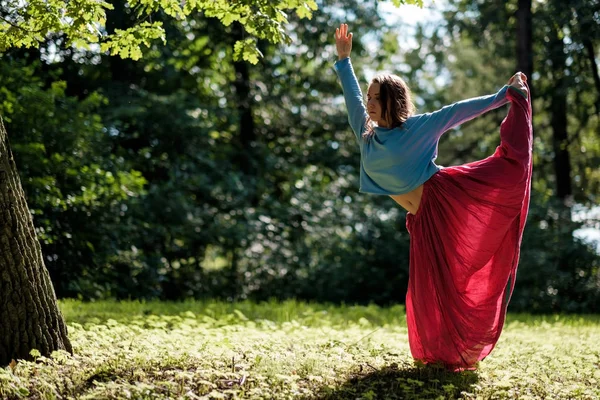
(374, 105)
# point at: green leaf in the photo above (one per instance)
(35, 353)
(246, 49)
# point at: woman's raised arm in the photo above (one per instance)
(458, 113)
(357, 113)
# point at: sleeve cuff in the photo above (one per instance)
(341, 63)
(522, 93)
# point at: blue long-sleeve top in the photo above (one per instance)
(398, 160)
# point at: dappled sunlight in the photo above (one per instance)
(294, 350)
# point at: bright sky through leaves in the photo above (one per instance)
(27, 24)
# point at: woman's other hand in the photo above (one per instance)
(518, 81)
(343, 41)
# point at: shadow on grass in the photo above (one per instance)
(402, 382)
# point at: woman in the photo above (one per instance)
(465, 222)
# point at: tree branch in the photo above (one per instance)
(17, 26)
(11, 23)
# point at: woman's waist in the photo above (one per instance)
(397, 181)
(413, 197)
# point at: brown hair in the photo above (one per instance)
(396, 101)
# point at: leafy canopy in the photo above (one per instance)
(28, 23)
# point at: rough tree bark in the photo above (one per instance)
(29, 314)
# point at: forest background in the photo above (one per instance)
(188, 173)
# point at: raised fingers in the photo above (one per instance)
(344, 30)
(341, 33)
(520, 76)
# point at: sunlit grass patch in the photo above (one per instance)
(192, 350)
(223, 313)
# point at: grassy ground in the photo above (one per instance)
(197, 350)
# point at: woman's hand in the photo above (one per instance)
(518, 82)
(343, 41)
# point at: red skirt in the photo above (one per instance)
(464, 248)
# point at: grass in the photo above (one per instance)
(292, 350)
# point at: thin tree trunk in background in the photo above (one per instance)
(589, 46)
(29, 314)
(242, 87)
(246, 157)
(117, 19)
(247, 129)
(562, 161)
(525, 41)
(587, 28)
(558, 106)
(558, 120)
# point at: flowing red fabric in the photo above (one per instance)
(464, 249)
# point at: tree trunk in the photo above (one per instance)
(589, 46)
(247, 131)
(524, 41)
(117, 18)
(246, 157)
(588, 29)
(562, 160)
(558, 106)
(29, 314)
